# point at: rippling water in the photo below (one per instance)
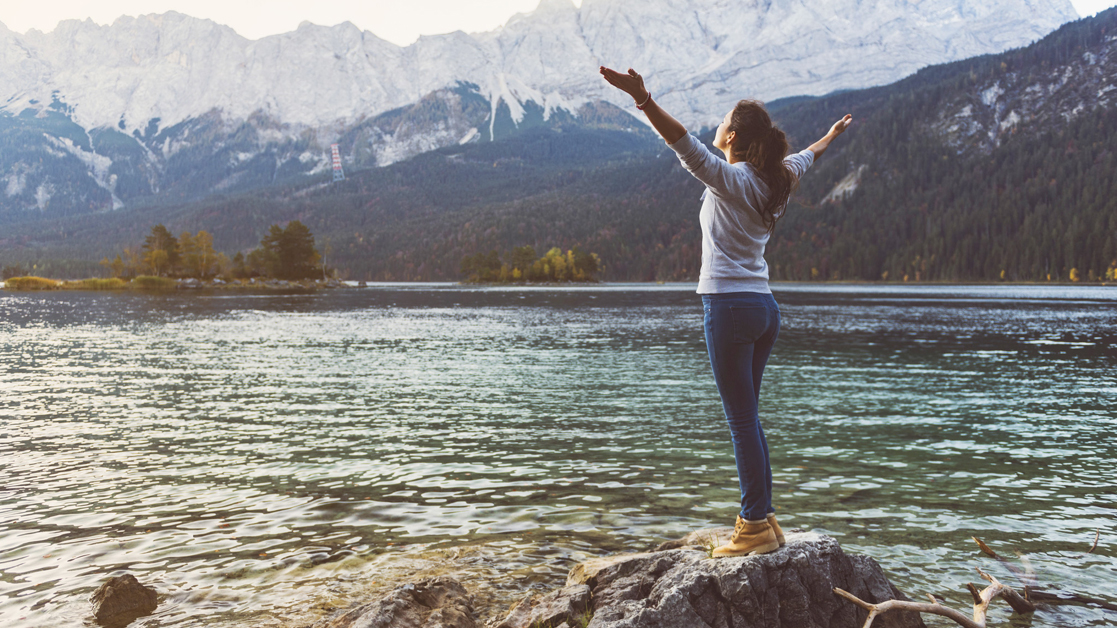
(264, 458)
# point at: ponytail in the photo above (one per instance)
(763, 145)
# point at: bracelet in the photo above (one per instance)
(645, 103)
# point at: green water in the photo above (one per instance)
(254, 455)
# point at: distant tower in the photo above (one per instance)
(339, 174)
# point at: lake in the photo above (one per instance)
(264, 458)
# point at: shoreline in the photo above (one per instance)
(168, 284)
(165, 284)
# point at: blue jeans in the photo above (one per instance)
(741, 329)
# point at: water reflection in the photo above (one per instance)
(252, 455)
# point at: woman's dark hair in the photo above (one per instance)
(762, 144)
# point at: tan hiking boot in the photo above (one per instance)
(776, 529)
(749, 537)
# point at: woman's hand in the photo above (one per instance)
(841, 125)
(631, 83)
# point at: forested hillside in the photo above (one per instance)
(1000, 164)
(995, 167)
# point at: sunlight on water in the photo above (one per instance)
(267, 458)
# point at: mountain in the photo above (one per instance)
(167, 108)
(997, 167)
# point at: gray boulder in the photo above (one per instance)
(440, 602)
(122, 599)
(789, 588)
(679, 586)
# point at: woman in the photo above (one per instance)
(746, 193)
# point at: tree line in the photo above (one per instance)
(521, 265)
(284, 253)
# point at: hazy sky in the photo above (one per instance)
(398, 21)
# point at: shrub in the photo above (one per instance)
(149, 282)
(32, 283)
(96, 284)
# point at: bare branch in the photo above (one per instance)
(985, 548)
(915, 607)
(982, 599)
(1044, 596)
(981, 604)
(974, 592)
(1023, 577)
(1003, 591)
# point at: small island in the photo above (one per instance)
(520, 266)
(286, 259)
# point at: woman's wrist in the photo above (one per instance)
(641, 103)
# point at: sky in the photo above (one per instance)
(400, 22)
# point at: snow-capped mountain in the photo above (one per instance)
(168, 102)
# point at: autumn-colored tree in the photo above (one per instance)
(157, 261)
(116, 266)
(133, 262)
(160, 239)
(198, 257)
(556, 266)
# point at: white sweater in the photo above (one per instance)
(733, 233)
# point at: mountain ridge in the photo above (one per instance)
(1035, 205)
(1039, 202)
(262, 110)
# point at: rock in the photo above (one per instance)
(362, 284)
(700, 538)
(440, 602)
(189, 284)
(561, 607)
(789, 588)
(520, 615)
(583, 572)
(121, 600)
(218, 282)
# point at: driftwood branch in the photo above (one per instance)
(1005, 592)
(917, 607)
(1054, 598)
(982, 599)
(1027, 577)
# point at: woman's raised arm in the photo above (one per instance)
(633, 84)
(839, 127)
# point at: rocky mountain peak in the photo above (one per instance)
(704, 54)
(162, 86)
